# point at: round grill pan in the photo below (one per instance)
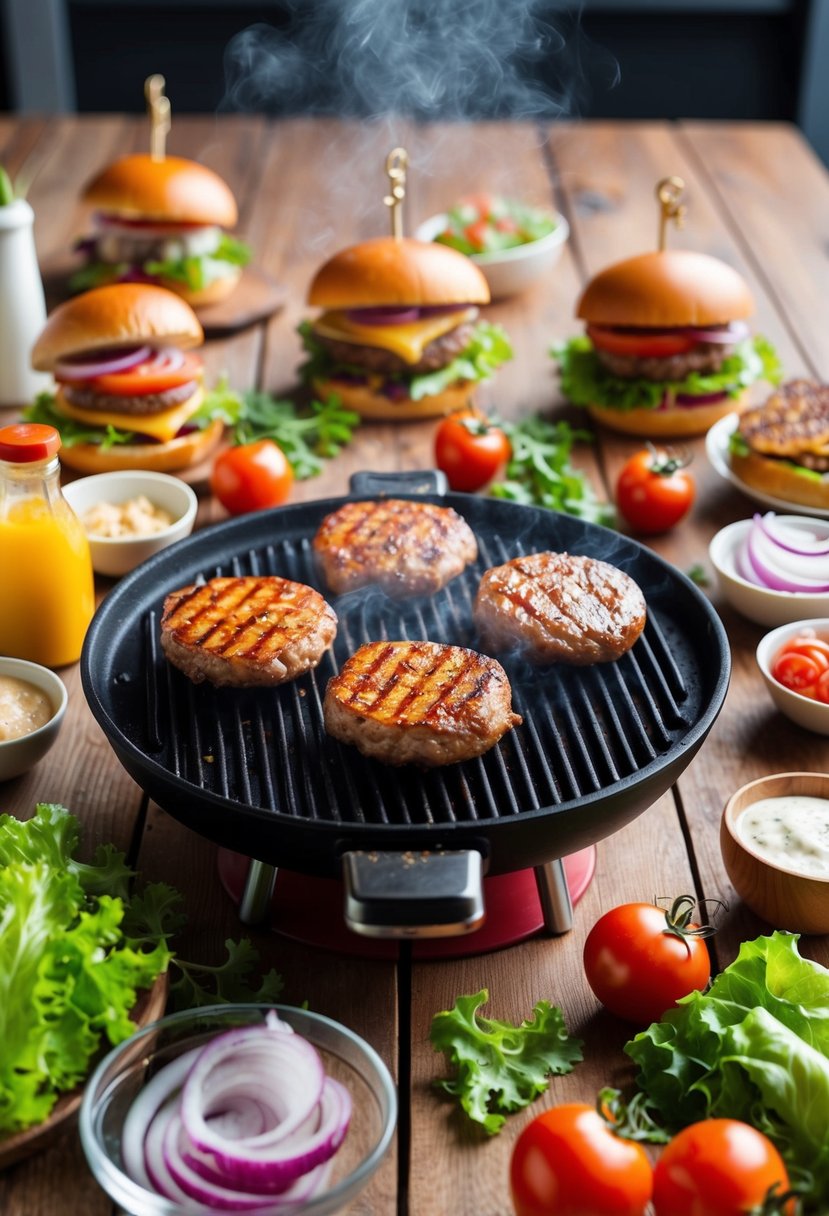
(255, 771)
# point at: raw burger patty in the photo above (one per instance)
(409, 548)
(559, 608)
(246, 631)
(419, 703)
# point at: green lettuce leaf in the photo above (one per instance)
(585, 381)
(72, 432)
(199, 271)
(754, 1047)
(501, 1068)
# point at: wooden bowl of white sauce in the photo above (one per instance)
(774, 837)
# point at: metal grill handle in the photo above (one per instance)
(412, 481)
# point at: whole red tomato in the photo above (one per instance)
(719, 1167)
(655, 490)
(639, 959)
(470, 450)
(568, 1162)
(251, 477)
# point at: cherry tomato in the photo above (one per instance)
(654, 490)
(470, 450)
(476, 234)
(654, 344)
(639, 959)
(719, 1167)
(251, 477)
(568, 1162)
(148, 378)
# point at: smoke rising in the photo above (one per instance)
(423, 59)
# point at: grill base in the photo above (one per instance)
(310, 910)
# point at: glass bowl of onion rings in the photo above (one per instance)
(265, 1109)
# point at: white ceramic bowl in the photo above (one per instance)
(19, 755)
(805, 711)
(510, 271)
(760, 604)
(116, 555)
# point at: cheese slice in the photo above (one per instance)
(408, 341)
(162, 426)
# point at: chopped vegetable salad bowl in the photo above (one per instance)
(269, 1110)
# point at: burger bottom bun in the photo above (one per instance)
(781, 480)
(377, 406)
(674, 421)
(218, 290)
(178, 453)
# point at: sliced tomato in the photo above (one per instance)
(641, 344)
(476, 234)
(796, 671)
(149, 377)
(822, 688)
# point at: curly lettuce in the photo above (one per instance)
(585, 381)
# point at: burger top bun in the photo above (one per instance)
(388, 271)
(172, 190)
(117, 315)
(667, 288)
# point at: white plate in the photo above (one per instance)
(716, 448)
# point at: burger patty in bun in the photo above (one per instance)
(782, 447)
(667, 350)
(129, 385)
(400, 336)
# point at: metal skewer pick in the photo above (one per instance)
(158, 107)
(669, 193)
(396, 164)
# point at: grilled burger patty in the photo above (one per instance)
(793, 422)
(436, 355)
(408, 548)
(147, 403)
(559, 608)
(706, 357)
(246, 631)
(419, 703)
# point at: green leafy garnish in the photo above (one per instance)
(72, 432)
(197, 271)
(539, 471)
(585, 381)
(698, 574)
(754, 1047)
(500, 1067)
(307, 437)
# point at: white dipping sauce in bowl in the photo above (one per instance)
(791, 831)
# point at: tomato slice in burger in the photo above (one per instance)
(641, 344)
(166, 369)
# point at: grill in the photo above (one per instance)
(255, 771)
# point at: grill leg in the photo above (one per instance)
(256, 897)
(556, 905)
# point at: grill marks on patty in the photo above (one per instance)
(246, 631)
(408, 548)
(437, 354)
(419, 702)
(147, 403)
(560, 608)
(793, 423)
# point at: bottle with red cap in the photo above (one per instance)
(47, 593)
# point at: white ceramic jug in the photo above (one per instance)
(22, 306)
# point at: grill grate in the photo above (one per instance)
(585, 729)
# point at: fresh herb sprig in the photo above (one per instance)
(540, 473)
(308, 438)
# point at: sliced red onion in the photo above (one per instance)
(383, 316)
(791, 539)
(768, 565)
(726, 335)
(167, 359)
(98, 363)
(693, 399)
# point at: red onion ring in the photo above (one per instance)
(98, 363)
(761, 562)
(400, 314)
(767, 524)
(724, 335)
(692, 399)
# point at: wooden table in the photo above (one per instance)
(757, 198)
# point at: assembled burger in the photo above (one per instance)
(129, 387)
(162, 221)
(667, 351)
(400, 336)
(782, 447)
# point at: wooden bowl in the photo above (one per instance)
(148, 1008)
(782, 896)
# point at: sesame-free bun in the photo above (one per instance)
(672, 422)
(173, 190)
(117, 315)
(664, 289)
(169, 457)
(387, 271)
(378, 407)
(780, 479)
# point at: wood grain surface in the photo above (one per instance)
(757, 198)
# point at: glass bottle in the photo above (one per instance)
(47, 593)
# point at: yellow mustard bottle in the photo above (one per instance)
(47, 592)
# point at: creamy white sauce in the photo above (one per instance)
(792, 831)
(23, 708)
